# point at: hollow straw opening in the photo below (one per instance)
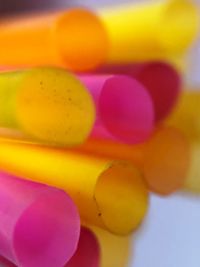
(179, 25)
(47, 232)
(166, 161)
(121, 197)
(164, 86)
(126, 109)
(82, 39)
(52, 106)
(88, 251)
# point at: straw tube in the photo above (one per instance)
(110, 194)
(48, 105)
(124, 108)
(115, 250)
(74, 38)
(164, 158)
(150, 31)
(161, 80)
(39, 225)
(186, 115)
(88, 251)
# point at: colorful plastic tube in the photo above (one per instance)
(75, 38)
(164, 158)
(39, 225)
(186, 115)
(110, 194)
(48, 105)
(192, 183)
(88, 252)
(161, 80)
(115, 250)
(124, 108)
(149, 31)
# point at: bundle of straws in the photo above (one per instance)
(93, 119)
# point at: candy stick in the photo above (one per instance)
(47, 105)
(110, 194)
(74, 38)
(39, 225)
(164, 158)
(161, 80)
(150, 31)
(115, 250)
(88, 251)
(124, 108)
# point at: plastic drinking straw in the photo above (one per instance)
(150, 31)
(186, 115)
(115, 250)
(88, 252)
(124, 108)
(46, 104)
(75, 38)
(163, 159)
(110, 194)
(39, 225)
(192, 183)
(161, 79)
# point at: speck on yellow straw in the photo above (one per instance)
(164, 158)
(46, 104)
(150, 31)
(115, 250)
(186, 114)
(109, 194)
(74, 38)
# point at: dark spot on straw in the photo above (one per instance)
(99, 214)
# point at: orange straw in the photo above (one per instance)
(74, 38)
(164, 159)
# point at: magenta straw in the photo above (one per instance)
(39, 225)
(88, 251)
(124, 108)
(161, 80)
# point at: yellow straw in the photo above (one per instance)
(109, 194)
(46, 104)
(150, 31)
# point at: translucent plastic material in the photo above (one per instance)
(74, 38)
(39, 225)
(115, 250)
(47, 105)
(149, 31)
(161, 80)
(164, 158)
(124, 108)
(88, 252)
(110, 194)
(186, 115)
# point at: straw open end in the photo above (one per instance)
(179, 25)
(126, 109)
(54, 107)
(164, 86)
(47, 232)
(122, 198)
(82, 39)
(166, 161)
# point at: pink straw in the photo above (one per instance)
(161, 80)
(39, 225)
(88, 251)
(124, 108)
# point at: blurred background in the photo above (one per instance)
(170, 236)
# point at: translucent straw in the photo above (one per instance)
(39, 225)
